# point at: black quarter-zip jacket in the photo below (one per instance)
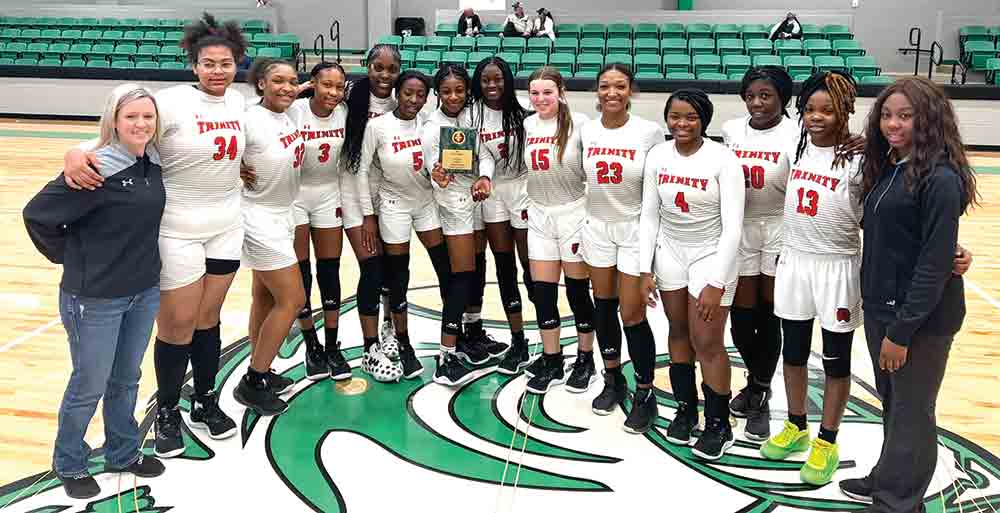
(910, 241)
(106, 239)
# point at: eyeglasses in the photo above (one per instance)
(212, 66)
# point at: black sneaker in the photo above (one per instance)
(738, 406)
(278, 383)
(857, 489)
(583, 373)
(259, 396)
(316, 366)
(552, 374)
(535, 366)
(471, 350)
(168, 442)
(408, 357)
(612, 395)
(145, 466)
(206, 414)
(758, 427)
(644, 412)
(450, 371)
(82, 487)
(685, 421)
(339, 368)
(515, 360)
(715, 440)
(493, 347)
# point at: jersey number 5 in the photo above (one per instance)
(604, 169)
(808, 202)
(418, 160)
(540, 159)
(324, 152)
(225, 150)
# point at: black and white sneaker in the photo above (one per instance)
(259, 397)
(738, 406)
(206, 414)
(408, 357)
(553, 373)
(145, 466)
(376, 364)
(450, 371)
(758, 427)
(316, 365)
(583, 373)
(682, 427)
(535, 366)
(857, 489)
(389, 344)
(278, 383)
(715, 440)
(644, 412)
(339, 368)
(168, 442)
(612, 395)
(80, 487)
(493, 347)
(471, 350)
(514, 360)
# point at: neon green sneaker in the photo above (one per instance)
(789, 441)
(821, 464)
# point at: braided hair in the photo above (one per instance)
(512, 112)
(450, 70)
(699, 102)
(776, 76)
(840, 87)
(260, 69)
(208, 32)
(358, 101)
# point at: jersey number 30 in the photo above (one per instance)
(226, 150)
(613, 169)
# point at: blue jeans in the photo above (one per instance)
(107, 340)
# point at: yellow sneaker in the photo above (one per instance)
(822, 463)
(789, 441)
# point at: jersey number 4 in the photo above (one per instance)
(609, 173)
(226, 150)
(753, 176)
(540, 159)
(808, 202)
(681, 203)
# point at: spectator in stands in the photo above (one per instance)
(517, 24)
(469, 24)
(544, 25)
(789, 28)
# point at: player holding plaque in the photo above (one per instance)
(458, 149)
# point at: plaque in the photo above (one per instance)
(458, 149)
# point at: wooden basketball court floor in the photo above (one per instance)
(34, 367)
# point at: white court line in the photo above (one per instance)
(975, 288)
(24, 338)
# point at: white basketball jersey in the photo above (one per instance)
(323, 137)
(614, 160)
(765, 156)
(396, 144)
(551, 181)
(496, 145)
(275, 151)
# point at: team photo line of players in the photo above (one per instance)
(763, 229)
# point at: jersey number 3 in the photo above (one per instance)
(324, 152)
(808, 202)
(226, 150)
(613, 169)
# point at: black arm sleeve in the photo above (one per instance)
(54, 207)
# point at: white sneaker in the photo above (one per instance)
(390, 347)
(376, 364)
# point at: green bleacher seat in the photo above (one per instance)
(26, 61)
(877, 80)
(476, 57)
(707, 64)
(730, 47)
(90, 37)
(619, 45)
(594, 30)
(992, 69)
(513, 44)
(6, 61)
(568, 30)
(173, 37)
(862, 66)
(406, 58)
(85, 23)
(10, 34)
(125, 50)
(251, 52)
(64, 22)
(49, 36)
(493, 29)
(811, 31)
(50, 63)
(453, 57)
(147, 52)
(974, 33)
(567, 45)
(679, 76)
(799, 64)
(55, 51)
(976, 53)
(13, 50)
(133, 36)
(463, 44)
(755, 31)
(623, 58)
(70, 36)
(147, 65)
(586, 62)
(176, 53)
(587, 74)
(171, 23)
(672, 30)
(646, 31)
(755, 47)
(815, 47)
(34, 51)
(384, 40)
(736, 77)
(97, 63)
(829, 63)
(676, 63)
(648, 63)
(834, 32)
(767, 60)
(995, 32)
(155, 37)
(801, 77)
(698, 30)
(122, 65)
(414, 43)
(172, 65)
(288, 43)
(428, 58)
(77, 51)
(269, 52)
(726, 31)
(847, 48)
(539, 45)
(736, 64)
(254, 26)
(646, 46)
(147, 24)
(29, 35)
(446, 29)
(649, 75)
(712, 76)
(511, 58)
(488, 44)
(622, 30)
(112, 36)
(788, 47)
(592, 45)
(533, 61)
(701, 46)
(564, 62)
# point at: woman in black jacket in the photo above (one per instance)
(917, 183)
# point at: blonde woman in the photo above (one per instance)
(108, 315)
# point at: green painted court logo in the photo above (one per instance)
(416, 446)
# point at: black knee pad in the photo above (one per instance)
(609, 332)
(642, 350)
(305, 269)
(479, 283)
(219, 267)
(398, 280)
(547, 304)
(507, 281)
(578, 296)
(442, 267)
(328, 278)
(454, 302)
(368, 285)
(837, 353)
(798, 340)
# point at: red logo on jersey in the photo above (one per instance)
(402, 145)
(772, 156)
(208, 126)
(339, 211)
(487, 137)
(542, 140)
(290, 138)
(524, 215)
(697, 183)
(825, 181)
(575, 247)
(612, 152)
(843, 315)
(308, 135)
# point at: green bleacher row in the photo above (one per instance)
(979, 44)
(667, 30)
(49, 23)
